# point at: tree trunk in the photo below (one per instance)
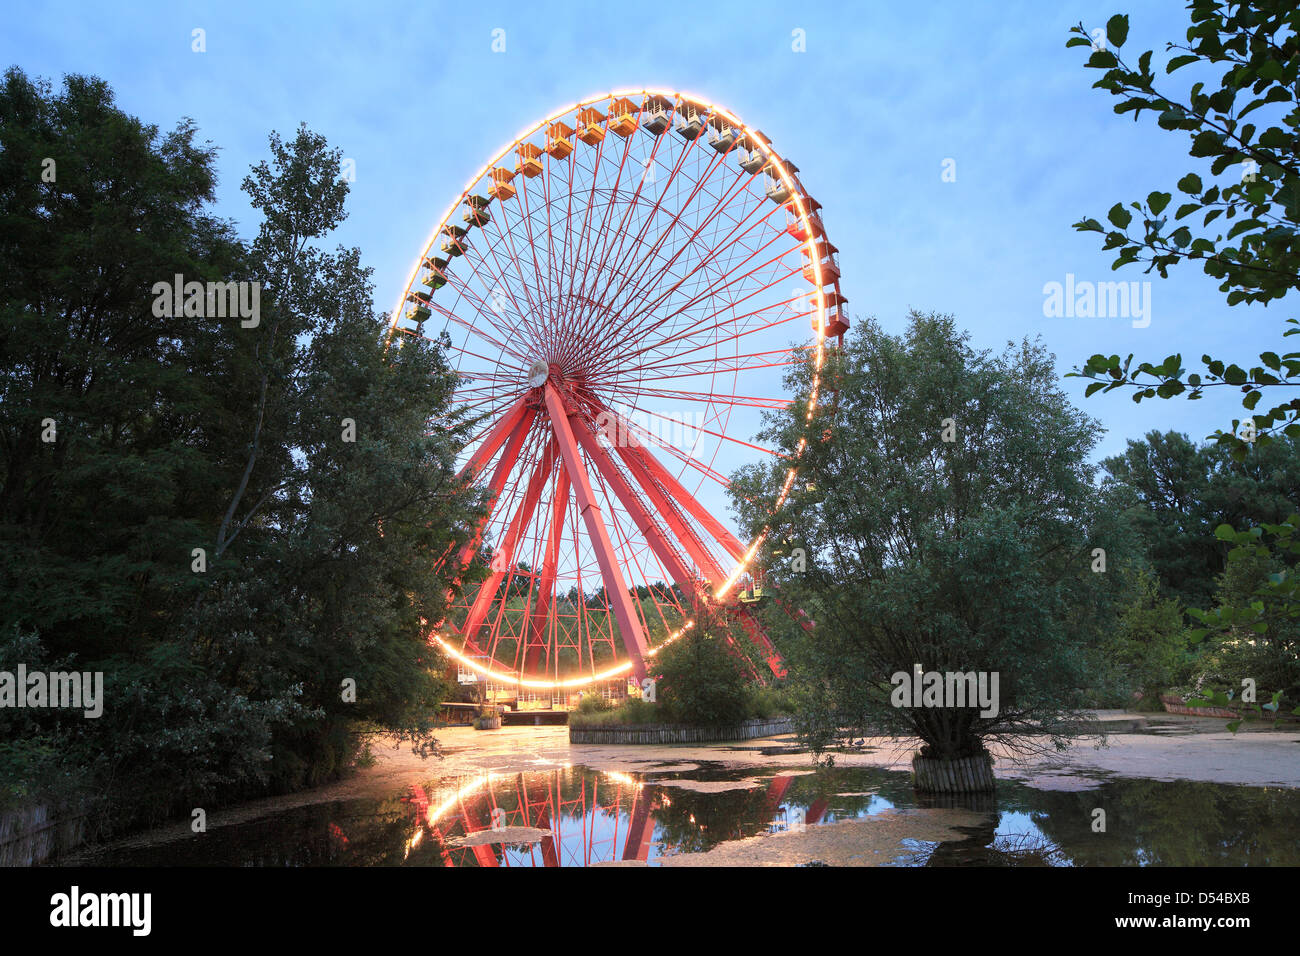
(956, 775)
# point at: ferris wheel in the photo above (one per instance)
(623, 286)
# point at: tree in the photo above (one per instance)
(1178, 492)
(702, 678)
(1148, 650)
(1253, 49)
(950, 520)
(239, 522)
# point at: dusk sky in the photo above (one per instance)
(884, 94)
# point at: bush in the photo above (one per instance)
(768, 702)
(701, 681)
(1149, 649)
(592, 703)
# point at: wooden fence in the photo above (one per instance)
(32, 835)
(679, 734)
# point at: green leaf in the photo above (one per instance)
(1157, 201)
(1191, 183)
(1177, 62)
(1117, 29)
(1119, 216)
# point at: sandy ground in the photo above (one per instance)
(1160, 747)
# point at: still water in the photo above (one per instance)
(576, 816)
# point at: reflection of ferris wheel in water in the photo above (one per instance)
(631, 262)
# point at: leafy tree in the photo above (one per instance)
(1242, 121)
(1149, 649)
(1177, 493)
(312, 464)
(702, 678)
(1254, 51)
(969, 554)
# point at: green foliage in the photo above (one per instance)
(632, 711)
(970, 554)
(1149, 650)
(184, 432)
(759, 701)
(1243, 132)
(1177, 493)
(700, 679)
(592, 703)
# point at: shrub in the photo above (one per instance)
(701, 681)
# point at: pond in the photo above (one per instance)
(577, 816)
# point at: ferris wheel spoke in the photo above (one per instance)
(619, 270)
(505, 554)
(604, 232)
(716, 289)
(534, 308)
(498, 284)
(632, 242)
(641, 275)
(578, 244)
(538, 628)
(708, 398)
(773, 358)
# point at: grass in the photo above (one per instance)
(594, 711)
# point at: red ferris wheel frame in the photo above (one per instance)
(545, 453)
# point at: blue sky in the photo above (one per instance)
(883, 95)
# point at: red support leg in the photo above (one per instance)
(500, 431)
(640, 831)
(499, 476)
(683, 497)
(615, 586)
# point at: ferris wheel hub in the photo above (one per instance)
(538, 372)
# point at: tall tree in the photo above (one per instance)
(238, 518)
(1178, 492)
(948, 520)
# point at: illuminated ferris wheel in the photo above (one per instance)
(621, 286)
